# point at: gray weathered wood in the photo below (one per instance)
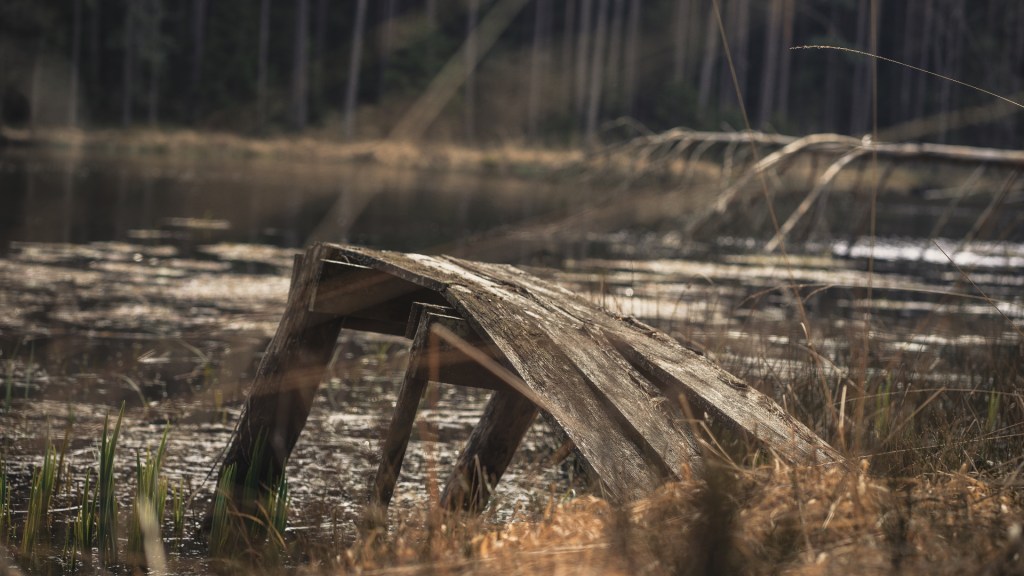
(286, 382)
(615, 385)
(506, 419)
(569, 352)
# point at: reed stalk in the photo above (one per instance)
(148, 505)
(107, 520)
(37, 521)
(178, 510)
(220, 528)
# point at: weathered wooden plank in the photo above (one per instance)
(343, 289)
(417, 310)
(612, 383)
(612, 447)
(680, 370)
(620, 455)
(493, 297)
(405, 266)
(641, 404)
(717, 392)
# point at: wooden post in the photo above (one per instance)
(490, 448)
(429, 360)
(285, 384)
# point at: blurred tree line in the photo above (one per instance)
(556, 71)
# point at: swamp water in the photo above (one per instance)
(158, 283)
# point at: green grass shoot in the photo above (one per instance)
(150, 499)
(37, 521)
(274, 513)
(83, 529)
(220, 528)
(178, 510)
(107, 520)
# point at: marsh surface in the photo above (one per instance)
(159, 282)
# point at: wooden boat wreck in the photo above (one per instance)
(617, 387)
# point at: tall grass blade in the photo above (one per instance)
(84, 530)
(148, 506)
(107, 520)
(37, 522)
(220, 528)
(178, 511)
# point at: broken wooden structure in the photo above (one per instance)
(617, 387)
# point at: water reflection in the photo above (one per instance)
(77, 197)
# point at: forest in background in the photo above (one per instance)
(558, 72)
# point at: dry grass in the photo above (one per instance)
(184, 143)
(779, 520)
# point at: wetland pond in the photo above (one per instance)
(159, 281)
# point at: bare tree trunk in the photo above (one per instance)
(536, 66)
(861, 91)
(920, 103)
(707, 67)
(950, 55)
(36, 89)
(788, 23)
(198, 48)
(76, 57)
(300, 63)
(567, 53)
(615, 53)
(319, 49)
(469, 109)
(95, 57)
(354, 64)
(907, 75)
(128, 65)
(387, 40)
(261, 71)
(596, 67)
(742, 43)
(583, 54)
(726, 92)
(154, 55)
(769, 73)
(1015, 127)
(632, 55)
(680, 39)
(832, 65)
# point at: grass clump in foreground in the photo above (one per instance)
(766, 520)
(37, 521)
(257, 533)
(732, 520)
(144, 542)
(107, 517)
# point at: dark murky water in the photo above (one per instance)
(159, 282)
